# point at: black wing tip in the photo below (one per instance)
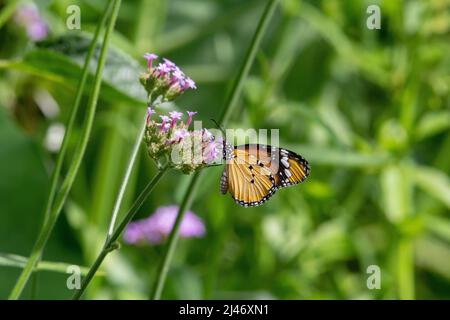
(304, 162)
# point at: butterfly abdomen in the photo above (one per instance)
(224, 182)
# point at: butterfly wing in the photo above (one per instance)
(292, 168)
(254, 173)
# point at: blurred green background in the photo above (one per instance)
(369, 109)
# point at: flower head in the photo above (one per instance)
(157, 227)
(166, 79)
(28, 16)
(186, 150)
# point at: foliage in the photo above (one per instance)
(369, 109)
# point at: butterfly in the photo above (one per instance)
(254, 172)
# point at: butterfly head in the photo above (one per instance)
(227, 150)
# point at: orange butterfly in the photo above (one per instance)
(254, 172)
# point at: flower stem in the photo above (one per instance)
(111, 239)
(74, 166)
(126, 178)
(230, 106)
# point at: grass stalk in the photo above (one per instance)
(69, 127)
(74, 166)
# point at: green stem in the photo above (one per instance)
(8, 10)
(230, 106)
(126, 178)
(111, 239)
(73, 169)
(70, 124)
(405, 269)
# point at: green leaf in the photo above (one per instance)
(396, 193)
(433, 123)
(331, 156)
(433, 255)
(439, 226)
(434, 182)
(61, 60)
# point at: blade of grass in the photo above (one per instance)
(70, 124)
(8, 11)
(110, 244)
(74, 166)
(227, 111)
(345, 47)
(181, 36)
(16, 261)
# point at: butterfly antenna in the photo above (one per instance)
(219, 127)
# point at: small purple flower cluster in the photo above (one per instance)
(186, 150)
(28, 17)
(157, 227)
(165, 79)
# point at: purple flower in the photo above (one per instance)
(180, 134)
(175, 115)
(178, 77)
(163, 68)
(207, 135)
(158, 226)
(210, 152)
(26, 14)
(150, 57)
(166, 79)
(28, 17)
(190, 114)
(189, 84)
(133, 233)
(150, 111)
(165, 120)
(170, 64)
(178, 74)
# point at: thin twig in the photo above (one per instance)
(126, 178)
(110, 244)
